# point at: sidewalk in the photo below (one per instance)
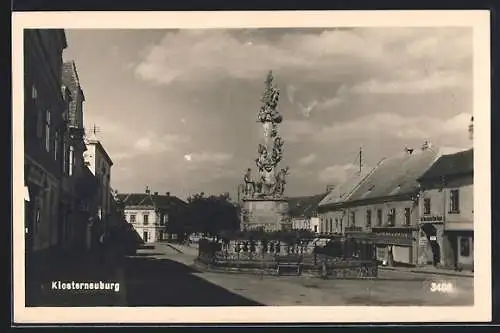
(84, 268)
(429, 270)
(191, 250)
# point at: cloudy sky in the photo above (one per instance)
(177, 108)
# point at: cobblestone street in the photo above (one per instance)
(164, 275)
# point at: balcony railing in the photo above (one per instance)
(354, 229)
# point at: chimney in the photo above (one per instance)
(156, 193)
(427, 145)
(329, 188)
(147, 190)
(409, 151)
(168, 194)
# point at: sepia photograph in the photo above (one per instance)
(183, 164)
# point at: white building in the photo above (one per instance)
(99, 163)
(151, 214)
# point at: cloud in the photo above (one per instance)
(210, 157)
(393, 125)
(308, 160)
(328, 56)
(153, 143)
(296, 130)
(337, 173)
(432, 82)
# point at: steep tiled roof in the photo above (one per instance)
(304, 206)
(461, 163)
(396, 175)
(70, 79)
(342, 191)
(150, 199)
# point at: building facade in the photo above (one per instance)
(44, 107)
(332, 215)
(74, 209)
(385, 206)
(303, 210)
(446, 207)
(99, 163)
(151, 213)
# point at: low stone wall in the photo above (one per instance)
(295, 264)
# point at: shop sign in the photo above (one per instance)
(431, 219)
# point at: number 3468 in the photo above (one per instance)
(441, 287)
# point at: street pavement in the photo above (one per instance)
(45, 289)
(165, 275)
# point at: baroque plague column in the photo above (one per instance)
(264, 205)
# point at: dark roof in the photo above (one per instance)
(451, 165)
(342, 191)
(150, 199)
(396, 176)
(304, 206)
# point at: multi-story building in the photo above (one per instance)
(332, 216)
(151, 213)
(303, 211)
(99, 163)
(385, 205)
(44, 106)
(446, 209)
(73, 204)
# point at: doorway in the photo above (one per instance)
(431, 234)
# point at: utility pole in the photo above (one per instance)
(360, 159)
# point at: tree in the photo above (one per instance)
(211, 215)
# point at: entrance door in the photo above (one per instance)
(431, 233)
(145, 236)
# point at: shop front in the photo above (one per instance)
(395, 246)
(431, 245)
(460, 254)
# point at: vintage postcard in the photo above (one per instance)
(244, 167)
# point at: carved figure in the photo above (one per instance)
(281, 181)
(249, 183)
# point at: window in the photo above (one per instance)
(391, 217)
(368, 217)
(56, 145)
(47, 130)
(454, 201)
(407, 216)
(427, 206)
(65, 158)
(165, 219)
(71, 160)
(353, 219)
(132, 218)
(464, 247)
(34, 93)
(379, 216)
(145, 219)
